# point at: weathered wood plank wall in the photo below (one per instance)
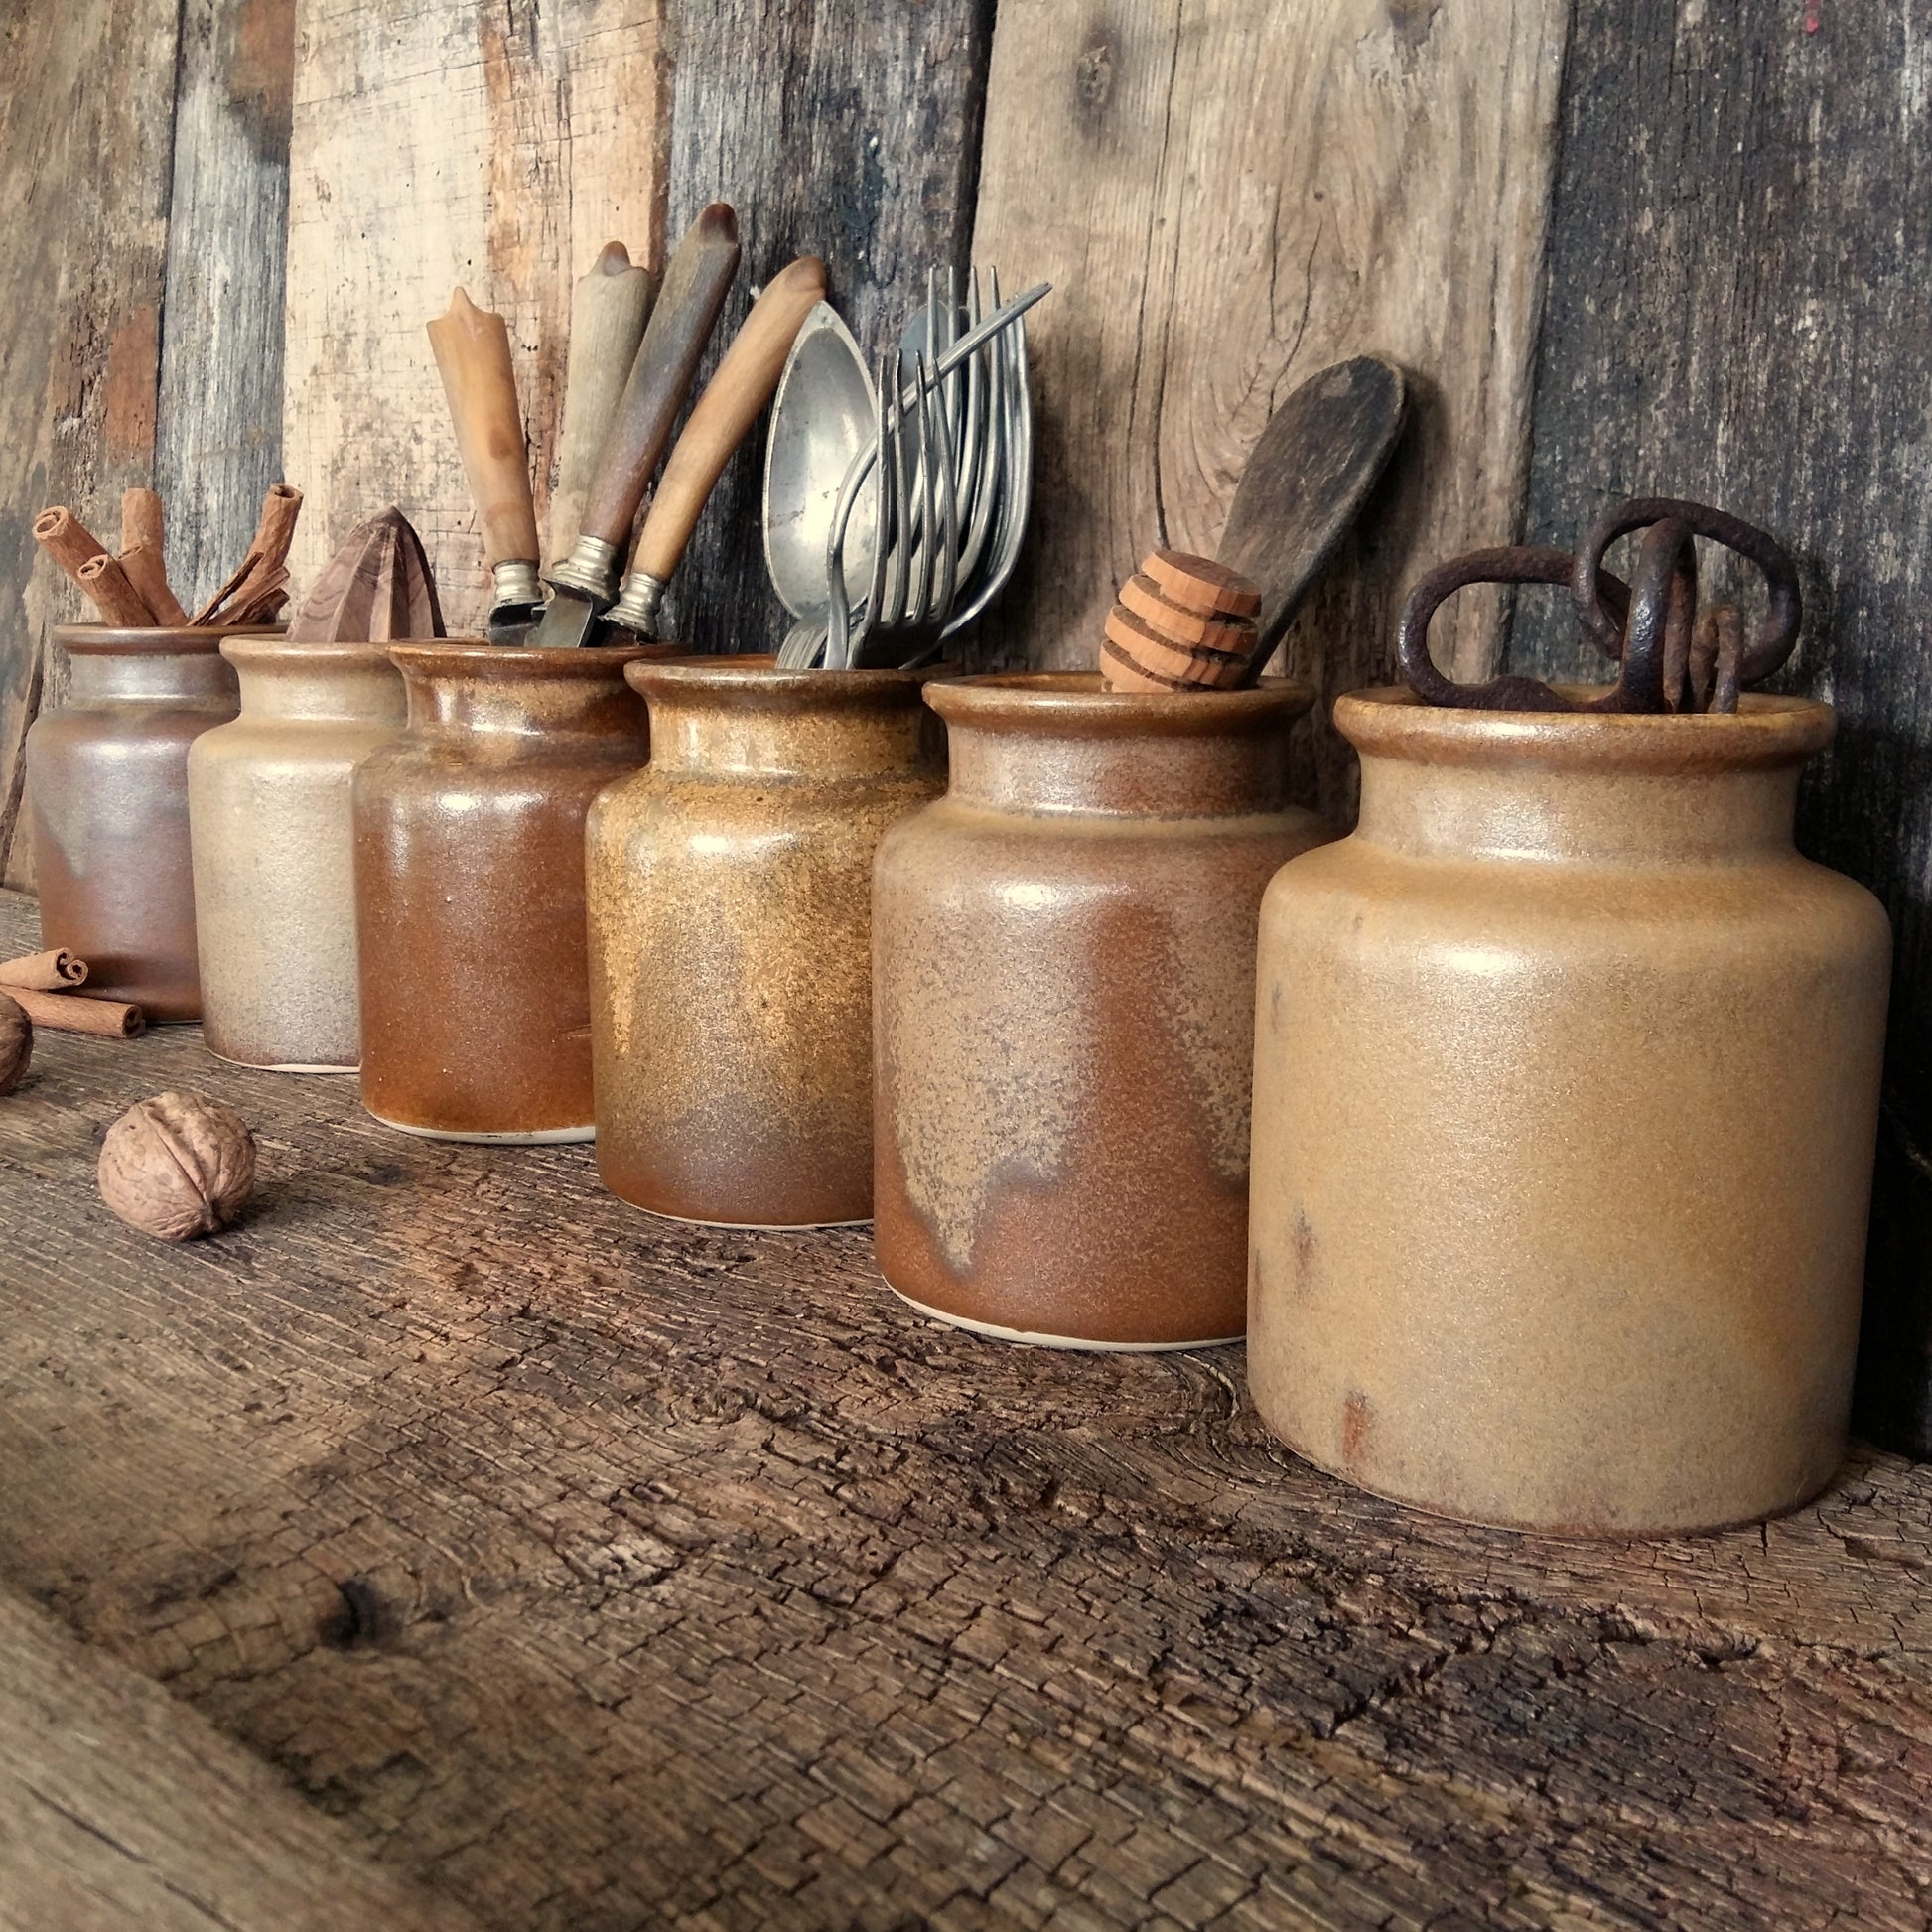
(1740, 311)
(494, 146)
(1726, 194)
(86, 112)
(1229, 198)
(837, 128)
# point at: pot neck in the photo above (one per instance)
(1654, 792)
(1048, 743)
(349, 684)
(503, 691)
(196, 678)
(750, 719)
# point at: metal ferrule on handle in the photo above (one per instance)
(637, 606)
(515, 584)
(591, 569)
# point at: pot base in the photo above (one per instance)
(280, 1066)
(541, 1137)
(1565, 1532)
(744, 1227)
(993, 1332)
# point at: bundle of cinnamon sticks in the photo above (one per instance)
(43, 985)
(131, 589)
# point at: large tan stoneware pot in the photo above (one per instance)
(731, 922)
(1565, 1092)
(1064, 1009)
(268, 799)
(470, 886)
(107, 807)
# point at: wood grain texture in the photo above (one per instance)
(1227, 197)
(496, 146)
(835, 128)
(614, 1573)
(87, 108)
(1739, 311)
(120, 1808)
(219, 427)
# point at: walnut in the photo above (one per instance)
(16, 1043)
(177, 1166)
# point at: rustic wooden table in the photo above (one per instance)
(604, 1572)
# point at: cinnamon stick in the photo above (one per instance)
(66, 539)
(118, 600)
(273, 535)
(53, 971)
(144, 569)
(79, 1012)
(141, 520)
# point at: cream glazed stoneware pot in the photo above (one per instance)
(1566, 1093)
(268, 799)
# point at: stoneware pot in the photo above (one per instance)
(470, 886)
(1063, 956)
(107, 807)
(274, 856)
(1565, 1092)
(731, 948)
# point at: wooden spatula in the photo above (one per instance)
(1305, 482)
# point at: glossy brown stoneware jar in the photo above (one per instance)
(274, 854)
(1063, 956)
(470, 886)
(730, 892)
(107, 807)
(1566, 1096)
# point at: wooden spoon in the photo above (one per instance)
(1305, 482)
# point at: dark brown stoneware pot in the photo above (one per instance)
(1063, 995)
(108, 806)
(731, 916)
(470, 886)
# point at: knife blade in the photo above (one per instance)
(696, 282)
(473, 355)
(745, 383)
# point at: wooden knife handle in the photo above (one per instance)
(696, 282)
(743, 385)
(472, 351)
(606, 323)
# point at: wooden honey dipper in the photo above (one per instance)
(1182, 624)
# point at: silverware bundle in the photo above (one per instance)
(895, 507)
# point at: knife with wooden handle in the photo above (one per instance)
(746, 381)
(607, 311)
(696, 282)
(473, 354)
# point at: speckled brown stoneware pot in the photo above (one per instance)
(107, 807)
(268, 805)
(731, 963)
(1566, 1093)
(470, 886)
(1063, 952)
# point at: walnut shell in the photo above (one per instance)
(177, 1166)
(16, 1043)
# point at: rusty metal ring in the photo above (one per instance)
(1516, 564)
(1779, 632)
(1657, 630)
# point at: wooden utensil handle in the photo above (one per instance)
(472, 353)
(729, 405)
(696, 283)
(607, 312)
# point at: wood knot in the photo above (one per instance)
(361, 1617)
(1093, 76)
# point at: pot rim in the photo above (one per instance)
(516, 664)
(1050, 700)
(247, 650)
(753, 677)
(1767, 729)
(154, 641)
